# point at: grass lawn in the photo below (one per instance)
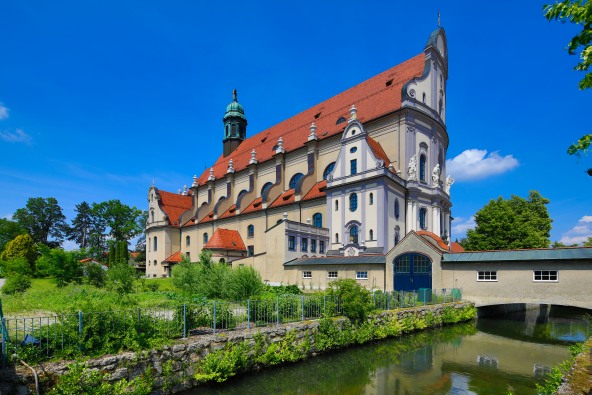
(45, 298)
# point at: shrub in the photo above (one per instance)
(16, 283)
(355, 301)
(95, 275)
(120, 278)
(244, 283)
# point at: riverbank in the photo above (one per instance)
(579, 378)
(192, 361)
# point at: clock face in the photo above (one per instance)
(351, 251)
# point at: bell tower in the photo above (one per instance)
(235, 126)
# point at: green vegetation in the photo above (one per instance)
(43, 220)
(356, 301)
(515, 223)
(555, 377)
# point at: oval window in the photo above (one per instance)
(353, 150)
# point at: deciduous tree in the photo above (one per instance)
(43, 220)
(515, 223)
(8, 231)
(21, 246)
(64, 266)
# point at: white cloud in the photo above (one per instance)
(473, 164)
(461, 225)
(18, 136)
(579, 233)
(3, 112)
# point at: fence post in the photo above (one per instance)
(80, 330)
(4, 339)
(184, 320)
(277, 310)
(248, 313)
(324, 304)
(214, 316)
(302, 308)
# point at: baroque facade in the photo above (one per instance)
(329, 193)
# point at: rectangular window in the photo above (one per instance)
(332, 274)
(188, 255)
(487, 275)
(361, 275)
(251, 250)
(313, 245)
(353, 166)
(321, 246)
(545, 275)
(306, 274)
(291, 243)
(304, 244)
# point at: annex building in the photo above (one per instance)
(329, 193)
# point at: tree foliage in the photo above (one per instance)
(515, 223)
(8, 231)
(122, 220)
(21, 246)
(588, 243)
(64, 266)
(356, 301)
(81, 225)
(42, 218)
(580, 13)
(121, 278)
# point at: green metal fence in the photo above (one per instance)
(93, 333)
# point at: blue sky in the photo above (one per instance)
(99, 98)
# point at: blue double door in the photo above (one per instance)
(412, 272)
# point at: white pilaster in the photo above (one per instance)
(436, 220)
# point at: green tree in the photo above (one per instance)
(122, 220)
(588, 243)
(355, 300)
(95, 275)
(516, 223)
(21, 246)
(64, 266)
(81, 225)
(580, 13)
(42, 218)
(8, 231)
(121, 278)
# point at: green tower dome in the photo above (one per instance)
(234, 109)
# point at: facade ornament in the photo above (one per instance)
(308, 221)
(436, 175)
(253, 160)
(448, 184)
(211, 177)
(184, 190)
(230, 167)
(379, 164)
(410, 129)
(313, 132)
(412, 169)
(353, 111)
(179, 191)
(280, 146)
(285, 216)
(194, 181)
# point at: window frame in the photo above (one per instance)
(353, 202)
(291, 243)
(250, 250)
(305, 272)
(321, 246)
(549, 275)
(187, 241)
(353, 167)
(360, 276)
(313, 245)
(304, 244)
(486, 275)
(331, 272)
(250, 231)
(317, 220)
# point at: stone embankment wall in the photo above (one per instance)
(174, 367)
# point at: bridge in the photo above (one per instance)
(558, 276)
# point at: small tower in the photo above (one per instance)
(235, 126)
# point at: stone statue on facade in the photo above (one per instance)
(448, 184)
(412, 169)
(436, 175)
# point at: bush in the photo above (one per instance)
(16, 283)
(355, 301)
(95, 275)
(120, 278)
(15, 266)
(244, 283)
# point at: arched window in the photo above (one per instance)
(149, 244)
(222, 260)
(396, 208)
(205, 238)
(250, 231)
(266, 187)
(422, 168)
(353, 234)
(187, 241)
(337, 205)
(371, 234)
(397, 229)
(155, 243)
(152, 215)
(336, 237)
(423, 214)
(294, 180)
(240, 194)
(371, 198)
(353, 202)
(317, 220)
(328, 170)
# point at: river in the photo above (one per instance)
(495, 355)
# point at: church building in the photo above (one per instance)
(353, 187)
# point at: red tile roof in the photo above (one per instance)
(435, 237)
(378, 151)
(284, 199)
(254, 206)
(175, 258)
(226, 239)
(174, 205)
(229, 213)
(375, 97)
(455, 247)
(317, 191)
(208, 218)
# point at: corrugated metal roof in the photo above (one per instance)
(354, 260)
(551, 254)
